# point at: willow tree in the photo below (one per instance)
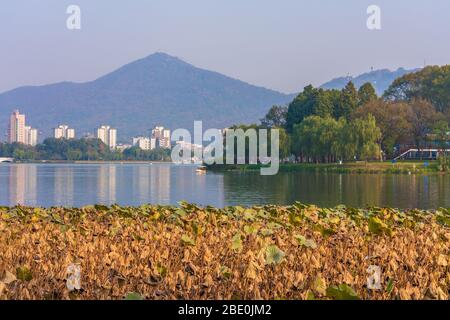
(368, 135)
(313, 139)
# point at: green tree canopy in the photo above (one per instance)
(441, 134)
(311, 101)
(431, 83)
(276, 117)
(366, 94)
(348, 103)
(320, 139)
(313, 138)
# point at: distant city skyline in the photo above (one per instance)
(19, 132)
(281, 45)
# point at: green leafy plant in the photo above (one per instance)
(303, 241)
(133, 296)
(274, 255)
(342, 292)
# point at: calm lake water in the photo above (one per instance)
(134, 184)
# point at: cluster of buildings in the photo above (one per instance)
(160, 138)
(21, 133)
(64, 132)
(108, 136)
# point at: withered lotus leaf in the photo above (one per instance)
(191, 252)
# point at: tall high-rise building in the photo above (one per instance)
(157, 132)
(112, 138)
(162, 136)
(19, 132)
(164, 142)
(16, 132)
(31, 136)
(166, 134)
(108, 135)
(64, 132)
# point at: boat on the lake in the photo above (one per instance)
(201, 169)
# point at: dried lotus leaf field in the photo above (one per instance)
(191, 252)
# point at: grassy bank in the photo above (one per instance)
(351, 167)
(270, 252)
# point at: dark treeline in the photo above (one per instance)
(355, 124)
(78, 150)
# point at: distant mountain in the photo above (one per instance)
(381, 79)
(159, 89)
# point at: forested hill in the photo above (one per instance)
(159, 89)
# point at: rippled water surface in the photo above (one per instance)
(135, 184)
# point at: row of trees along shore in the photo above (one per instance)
(79, 150)
(324, 126)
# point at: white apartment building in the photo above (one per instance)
(64, 132)
(16, 130)
(135, 140)
(19, 132)
(144, 143)
(31, 136)
(165, 141)
(166, 134)
(108, 135)
(157, 132)
(162, 136)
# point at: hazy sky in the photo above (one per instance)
(279, 44)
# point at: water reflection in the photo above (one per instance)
(151, 182)
(63, 186)
(361, 190)
(135, 184)
(106, 185)
(21, 185)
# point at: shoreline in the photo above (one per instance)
(405, 167)
(346, 168)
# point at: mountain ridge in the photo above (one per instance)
(380, 78)
(157, 89)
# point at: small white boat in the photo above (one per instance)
(201, 169)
